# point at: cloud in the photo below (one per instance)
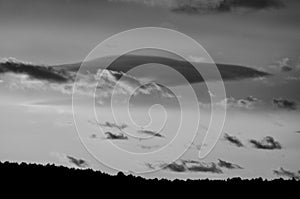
(178, 166)
(152, 133)
(196, 166)
(285, 173)
(77, 162)
(192, 166)
(266, 143)
(113, 125)
(146, 147)
(205, 6)
(245, 103)
(282, 65)
(234, 140)
(61, 79)
(228, 165)
(284, 104)
(46, 73)
(113, 136)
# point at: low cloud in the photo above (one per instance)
(115, 136)
(233, 140)
(284, 104)
(192, 166)
(77, 162)
(285, 173)
(268, 143)
(196, 166)
(228, 165)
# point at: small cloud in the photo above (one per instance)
(196, 166)
(228, 165)
(189, 166)
(245, 103)
(178, 166)
(282, 65)
(266, 143)
(113, 125)
(113, 136)
(234, 140)
(77, 162)
(284, 104)
(146, 147)
(152, 133)
(285, 173)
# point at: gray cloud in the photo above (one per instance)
(196, 166)
(192, 166)
(114, 136)
(285, 173)
(246, 103)
(234, 140)
(46, 73)
(206, 6)
(113, 125)
(228, 165)
(284, 104)
(77, 162)
(266, 143)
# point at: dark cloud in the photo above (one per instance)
(234, 140)
(125, 63)
(152, 133)
(113, 136)
(34, 71)
(266, 143)
(284, 104)
(202, 6)
(196, 166)
(285, 173)
(228, 165)
(77, 162)
(192, 166)
(175, 166)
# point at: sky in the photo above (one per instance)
(56, 32)
(260, 137)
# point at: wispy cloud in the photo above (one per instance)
(285, 173)
(152, 133)
(266, 143)
(228, 165)
(207, 6)
(233, 140)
